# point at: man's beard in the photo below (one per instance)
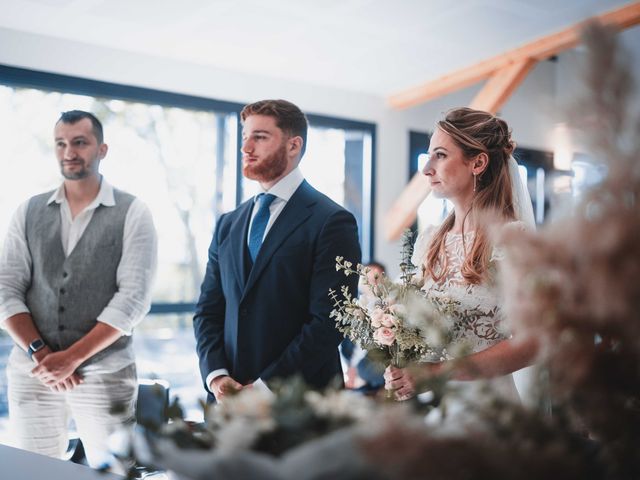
(269, 168)
(76, 175)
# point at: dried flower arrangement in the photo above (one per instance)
(575, 286)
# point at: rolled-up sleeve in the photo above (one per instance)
(136, 271)
(15, 267)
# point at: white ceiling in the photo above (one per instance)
(372, 46)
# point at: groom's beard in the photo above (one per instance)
(269, 168)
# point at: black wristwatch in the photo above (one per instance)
(37, 344)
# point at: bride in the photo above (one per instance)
(470, 164)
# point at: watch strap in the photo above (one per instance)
(36, 345)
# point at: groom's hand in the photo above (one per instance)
(224, 385)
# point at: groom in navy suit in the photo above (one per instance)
(263, 311)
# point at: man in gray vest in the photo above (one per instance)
(75, 278)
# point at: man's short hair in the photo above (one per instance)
(376, 264)
(74, 116)
(289, 118)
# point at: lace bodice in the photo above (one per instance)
(478, 321)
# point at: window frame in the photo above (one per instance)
(28, 78)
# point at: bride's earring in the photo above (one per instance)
(475, 179)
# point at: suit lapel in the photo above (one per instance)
(238, 239)
(295, 212)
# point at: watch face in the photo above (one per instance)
(36, 345)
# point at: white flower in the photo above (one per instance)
(340, 404)
(252, 403)
(241, 433)
(398, 309)
(239, 420)
(433, 335)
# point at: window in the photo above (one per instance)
(180, 155)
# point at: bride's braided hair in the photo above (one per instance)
(475, 132)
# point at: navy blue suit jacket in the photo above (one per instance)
(271, 320)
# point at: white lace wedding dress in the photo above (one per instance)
(484, 327)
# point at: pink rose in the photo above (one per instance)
(384, 336)
(388, 320)
(376, 317)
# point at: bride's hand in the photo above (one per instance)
(399, 380)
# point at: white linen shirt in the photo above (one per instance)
(134, 276)
(283, 190)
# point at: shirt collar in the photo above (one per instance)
(105, 196)
(286, 186)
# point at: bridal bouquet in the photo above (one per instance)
(395, 320)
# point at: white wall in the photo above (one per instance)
(531, 111)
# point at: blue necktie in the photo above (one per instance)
(259, 224)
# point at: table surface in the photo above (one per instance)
(16, 464)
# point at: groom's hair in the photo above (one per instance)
(289, 118)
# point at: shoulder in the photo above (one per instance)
(228, 219)
(19, 218)
(421, 245)
(40, 199)
(241, 209)
(136, 208)
(121, 197)
(509, 228)
(35, 206)
(133, 206)
(321, 202)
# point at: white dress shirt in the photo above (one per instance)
(283, 191)
(134, 276)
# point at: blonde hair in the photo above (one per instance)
(475, 132)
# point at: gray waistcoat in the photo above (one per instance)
(66, 295)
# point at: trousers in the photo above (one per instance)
(39, 417)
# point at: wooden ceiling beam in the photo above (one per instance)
(501, 85)
(540, 49)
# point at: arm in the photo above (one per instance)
(21, 327)
(56, 367)
(15, 277)
(135, 274)
(500, 359)
(503, 358)
(128, 306)
(208, 321)
(319, 339)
